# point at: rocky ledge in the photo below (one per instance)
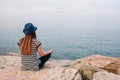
(94, 67)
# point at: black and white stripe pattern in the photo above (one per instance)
(30, 62)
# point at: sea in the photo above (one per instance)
(68, 42)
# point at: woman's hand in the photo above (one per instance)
(51, 51)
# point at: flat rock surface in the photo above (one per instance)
(105, 76)
(93, 67)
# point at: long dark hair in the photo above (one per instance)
(26, 44)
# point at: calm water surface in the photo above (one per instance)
(69, 43)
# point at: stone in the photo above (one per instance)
(86, 70)
(9, 61)
(105, 76)
(118, 71)
(108, 63)
(58, 73)
(52, 63)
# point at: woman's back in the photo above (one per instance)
(30, 62)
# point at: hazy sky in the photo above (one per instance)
(60, 13)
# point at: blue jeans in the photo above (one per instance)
(43, 60)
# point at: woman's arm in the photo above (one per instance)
(41, 53)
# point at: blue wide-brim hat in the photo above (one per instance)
(29, 28)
